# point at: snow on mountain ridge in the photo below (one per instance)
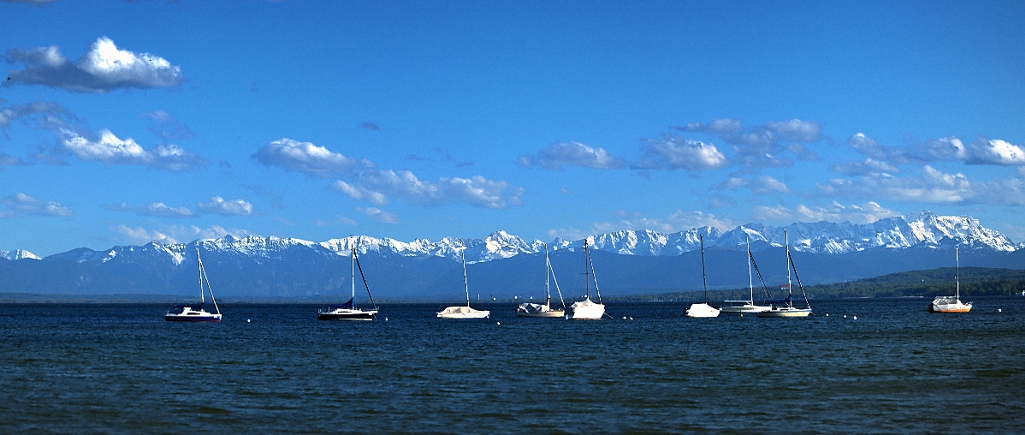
(920, 229)
(18, 254)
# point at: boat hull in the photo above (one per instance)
(786, 312)
(344, 314)
(586, 310)
(461, 312)
(192, 318)
(702, 311)
(191, 313)
(949, 305)
(544, 314)
(538, 310)
(745, 309)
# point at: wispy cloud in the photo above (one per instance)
(47, 115)
(561, 154)
(362, 179)
(759, 186)
(21, 204)
(157, 209)
(166, 127)
(8, 160)
(982, 151)
(929, 186)
(75, 138)
(859, 214)
(372, 126)
(769, 145)
(233, 207)
(173, 233)
(869, 166)
(379, 215)
(732, 131)
(31, 2)
(676, 221)
(104, 68)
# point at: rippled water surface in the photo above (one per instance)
(68, 368)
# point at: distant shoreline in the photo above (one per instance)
(30, 298)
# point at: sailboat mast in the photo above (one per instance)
(202, 300)
(548, 291)
(352, 272)
(704, 282)
(466, 287)
(750, 279)
(587, 278)
(957, 272)
(790, 292)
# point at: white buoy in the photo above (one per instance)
(248, 320)
(1000, 310)
(827, 314)
(631, 318)
(385, 319)
(499, 323)
(845, 316)
(855, 317)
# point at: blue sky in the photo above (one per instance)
(131, 122)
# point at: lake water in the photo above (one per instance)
(94, 368)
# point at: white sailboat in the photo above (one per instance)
(587, 309)
(195, 312)
(703, 309)
(349, 310)
(459, 311)
(747, 306)
(787, 308)
(538, 310)
(952, 304)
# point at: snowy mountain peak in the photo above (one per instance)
(923, 229)
(18, 254)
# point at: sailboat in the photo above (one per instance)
(537, 310)
(349, 310)
(459, 311)
(951, 304)
(786, 308)
(587, 309)
(703, 309)
(195, 312)
(748, 306)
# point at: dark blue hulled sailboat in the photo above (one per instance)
(349, 310)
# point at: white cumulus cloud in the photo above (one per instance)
(305, 157)
(104, 68)
(110, 149)
(674, 152)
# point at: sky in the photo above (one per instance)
(123, 123)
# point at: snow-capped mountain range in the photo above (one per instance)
(921, 229)
(504, 265)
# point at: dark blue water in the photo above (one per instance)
(91, 368)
